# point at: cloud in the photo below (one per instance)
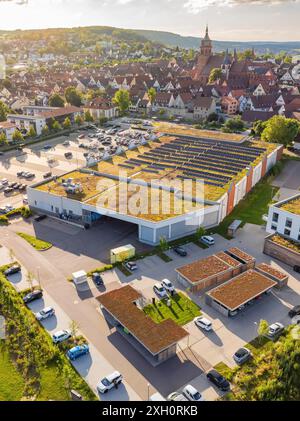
(194, 6)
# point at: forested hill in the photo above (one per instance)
(174, 40)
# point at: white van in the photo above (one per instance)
(157, 397)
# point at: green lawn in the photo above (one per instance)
(11, 381)
(35, 242)
(251, 209)
(182, 310)
(272, 374)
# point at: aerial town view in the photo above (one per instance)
(149, 204)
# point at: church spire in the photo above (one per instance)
(206, 45)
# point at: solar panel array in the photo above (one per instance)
(213, 161)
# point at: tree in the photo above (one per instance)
(163, 244)
(199, 232)
(102, 121)
(73, 97)
(212, 117)
(56, 100)
(45, 130)
(234, 124)
(67, 123)
(17, 136)
(122, 100)
(258, 127)
(78, 120)
(56, 126)
(215, 74)
(3, 138)
(262, 329)
(151, 95)
(88, 116)
(281, 130)
(4, 110)
(31, 132)
(73, 326)
(29, 279)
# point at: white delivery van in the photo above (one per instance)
(157, 397)
(79, 277)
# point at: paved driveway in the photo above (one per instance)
(289, 177)
(93, 366)
(203, 351)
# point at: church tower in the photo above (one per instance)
(206, 45)
(203, 57)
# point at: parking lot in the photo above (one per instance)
(83, 146)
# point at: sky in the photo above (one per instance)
(230, 20)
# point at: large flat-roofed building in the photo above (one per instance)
(232, 296)
(208, 272)
(156, 342)
(167, 188)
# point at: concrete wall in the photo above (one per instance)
(240, 190)
(281, 253)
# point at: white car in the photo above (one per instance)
(4, 181)
(109, 382)
(45, 313)
(275, 329)
(210, 241)
(60, 336)
(9, 208)
(168, 285)
(192, 394)
(203, 323)
(175, 396)
(160, 291)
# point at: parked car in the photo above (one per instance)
(181, 251)
(66, 143)
(204, 323)
(20, 174)
(9, 208)
(218, 380)
(32, 296)
(275, 329)
(81, 136)
(97, 278)
(4, 181)
(210, 241)
(47, 174)
(45, 313)
(8, 190)
(12, 270)
(47, 147)
(68, 155)
(168, 285)
(295, 311)
(2, 210)
(109, 382)
(297, 268)
(175, 396)
(60, 336)
(39, 218)
(25, 199)
(131, 266)
(242, 355)
(160, 290)
(23, 187)
(78, 351)
(192, 394)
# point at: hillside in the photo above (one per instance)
(173, 40)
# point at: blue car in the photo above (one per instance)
(78, 351)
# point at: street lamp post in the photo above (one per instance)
(148, 390)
